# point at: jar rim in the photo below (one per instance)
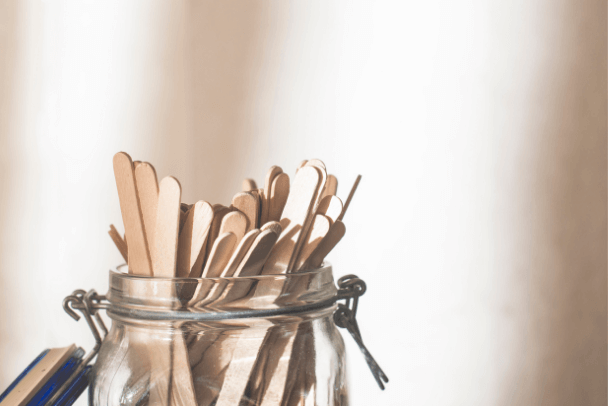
(216, 299)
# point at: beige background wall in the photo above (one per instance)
(479, 128)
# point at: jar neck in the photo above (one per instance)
(276, 298)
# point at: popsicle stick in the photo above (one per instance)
(192, 239)
(274, 226)
(249, 205)
(296, 211)
(219, 255)
(136, 164)
(240, 252)
(147, 191)
(279, 193)
(271, 175)
(164, 254)
(318, 231)
(320, 166)
(331, 206)
(350, 197)
(332, 238)
(259, 196)
(248, 185)
(254, 259)
(301, 165)
(140, 262)
(219, 212)
(119, 242)
(234, 222)
(317, 163)
(331, 188)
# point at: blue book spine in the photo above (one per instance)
(57, 379)
(75, 389)
(23, 374)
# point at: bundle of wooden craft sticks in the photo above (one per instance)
(282, 227)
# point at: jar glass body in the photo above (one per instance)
(266, 340)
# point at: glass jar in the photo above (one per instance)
(264, 340)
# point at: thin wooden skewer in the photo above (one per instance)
(350, 196)
(119, 242)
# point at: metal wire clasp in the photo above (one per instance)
(350, 288)
(87, 303)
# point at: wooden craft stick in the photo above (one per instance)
(265, 193)
(350, 197)
(331, 206)
(219, 211)
(301, 165)
(331, 188)
(296, 211)
(279, 192)
(332, 238)
(254, 259)
(274, 226)
(219, 255)
(192, 239)
(234, 222)
(249, 205)
(318, 231)
(239, 253)
(119, 242)
(140, 262)
(320, 166)
(272, 173)
(147, 191)
(164, 254)
(248, 185)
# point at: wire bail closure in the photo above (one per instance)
(350, 288)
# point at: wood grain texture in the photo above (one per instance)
(350, 197)
(331, 206)
(119, 242)
(140, 261)
(249, 205)
(164, 254)
(239, 253)
(332, 238)
(295, 214)
(220, 255)
(318, 231)
(192, 239)
(147, 191)
(248, 185)
(279, 193)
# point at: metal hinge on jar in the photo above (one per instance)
(350, 288)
